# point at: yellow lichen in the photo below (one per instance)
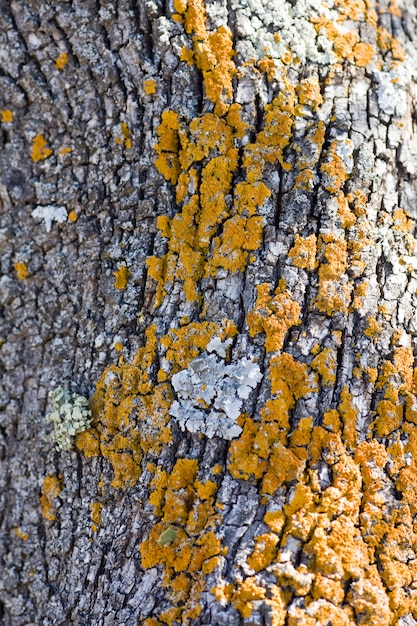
(122, 276)
(184, 504)
(21, 270)
(261, 450)
(363, 54)
(348, 413)
(149, 86)
(6, 116)
(212, 52)
(322, 489)
(334, 292)
(40, 151)
(51, 488)
(61, 61)
(184, 344)
(325, 364)
(273, 315)
(19, 533)
(130, 415)
(96, 508)
(194, 250)
(309, 93)
(303, 252)
(275, 520)
(246, 593)
(124, 139)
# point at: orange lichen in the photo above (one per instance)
(122, 276)
(303, 252)
(261, 449)
(130, 415)
(307, 159)
(184, 344)
(275, 520)
(21, 270)
(348, 413)
(51, 488)
(149, 86)
(245, 595)
(19, 533)
(200, 159)
(40, 151)
(363, 54)
(125, 139)
(359, 294)
(325, 364)
(184, 505)
(167, 146)
(194, 249)
(309, 93)
(61, 61)
(6, 116)
(273, 315)
(344, 527)
(212, 52)
(267, 66)
(276, 135)
(327, 497)
(131, 410)
(333, 292)
(96, 508)
(344, 44)
(72, 216)
(334, 170)
(402, 221)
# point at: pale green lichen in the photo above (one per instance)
(70, 416)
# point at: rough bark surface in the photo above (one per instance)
(208, 215)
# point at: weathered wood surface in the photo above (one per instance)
(172, 176)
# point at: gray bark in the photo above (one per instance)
(60, 323)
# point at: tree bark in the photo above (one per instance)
(208, 215)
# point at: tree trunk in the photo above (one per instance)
(208, 216)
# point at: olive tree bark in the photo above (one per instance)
(208, 214)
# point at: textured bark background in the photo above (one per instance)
(174, 175)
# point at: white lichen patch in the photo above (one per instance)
(274, 27)
(210, 393)
(391, 91)
(49, 214)
(70, 416)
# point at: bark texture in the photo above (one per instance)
(208, 215)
